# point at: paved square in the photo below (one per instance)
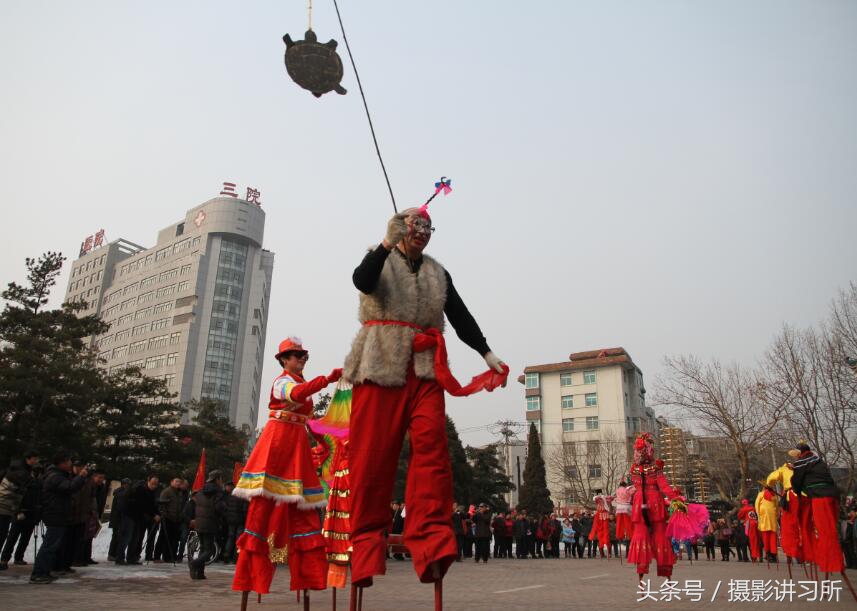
(501, 584)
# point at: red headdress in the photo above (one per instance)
(644, 449)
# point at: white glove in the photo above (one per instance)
(396, 229)
(494, 362)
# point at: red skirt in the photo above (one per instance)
(790, 527)
(828, 552)
(649, 544)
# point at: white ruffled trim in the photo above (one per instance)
(300, 500)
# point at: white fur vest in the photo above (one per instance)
(382, 353)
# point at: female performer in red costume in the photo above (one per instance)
(281, 483)
(649, 511)
(601, 523)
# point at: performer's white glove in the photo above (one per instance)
(396, 230)
(494, 362)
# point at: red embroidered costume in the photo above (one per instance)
(281, 483)
(622, 502)
(649, 511)
(601, 523)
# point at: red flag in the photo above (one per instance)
(236, 472)
(199, 480)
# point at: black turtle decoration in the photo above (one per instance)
(314, 66)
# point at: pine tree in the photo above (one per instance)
(49, 378)
(534, 495)
(224, 444)
(489, 480)
(462, 472)
(134, 425)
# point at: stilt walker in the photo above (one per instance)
(622, 503)
(812, 475)
(750, 523)
(766, 509)
(284, 491)
(601, 523)
(399, 369)
(687, 522)
(790, 535)
(648, 511)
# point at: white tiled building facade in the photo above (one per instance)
(588, 411)
(193, 309)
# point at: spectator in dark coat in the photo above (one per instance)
(57, 489)
(459, 520)
(555, 535)
(519, 533)
(498, 528)
(12, 488)
(397, 523)
(93, 489)
(577, 547)
(171, 506)
(482, 532)
(236, 515)
(585, 529)
(206, 510)
(27, 516)
(141, 510)
(117, 510)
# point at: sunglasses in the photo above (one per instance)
(302, 355)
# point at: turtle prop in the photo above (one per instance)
(314, 66)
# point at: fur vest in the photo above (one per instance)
(382, 354)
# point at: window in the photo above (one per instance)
(120, 352)
(165, 290)
(591, 399)
(185, 270)
(175, 337)
(162, 307)
(568, 425)
(125, 319)
(136, 347)
(567, 401)
(139, 314)
(565, 379)
(153, 362)
(571, 473)
(139, 363)
(183, 245)
(169, 274)
(160, 324)
(123, 335)
(532, 380)
(183, 285)
(534, 403)
(161, 254)
(594, 471)
(129, 289)
(147, 282)
(196, 241)
(139, 330)
(589, 377)
(146, 297)
(171, 358)
(592, 423)
(170, 379)
(179, 229)
(158, 342)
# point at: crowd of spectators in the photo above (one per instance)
(64, 504)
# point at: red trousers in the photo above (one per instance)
(790, 527)
(807, 530)
(828, 552)
(769, 540)
(380, 417)
(601, 532)
(753, 534)
(623, 526)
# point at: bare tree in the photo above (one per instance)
(577, 469)
(726, 402)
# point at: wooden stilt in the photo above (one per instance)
(360, 600)
(298, 592)
(789, 565)
(334, 600)
(848, 583)
(258, 599)
(352, 601)
(805, 572)
(306, 600)
(244, 596)
(438, 595)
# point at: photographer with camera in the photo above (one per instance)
(57, 489)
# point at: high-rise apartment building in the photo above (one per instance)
(588, 411)
(192, 309)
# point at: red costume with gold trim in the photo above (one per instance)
(649, 511)
(284, 491)
(601, 522)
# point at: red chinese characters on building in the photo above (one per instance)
(229, 189)
(253, 196)
(99, 239)
(93, 241)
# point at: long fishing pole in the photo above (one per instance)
(365, 106)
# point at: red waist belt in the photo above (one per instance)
(429, 338)
(282, 415)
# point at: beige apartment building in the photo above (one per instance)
(192, 309)
(588, 411)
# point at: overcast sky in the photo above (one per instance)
(670, 177)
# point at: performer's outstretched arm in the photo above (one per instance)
(288, 389)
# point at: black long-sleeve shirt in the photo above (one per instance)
(366, 277)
